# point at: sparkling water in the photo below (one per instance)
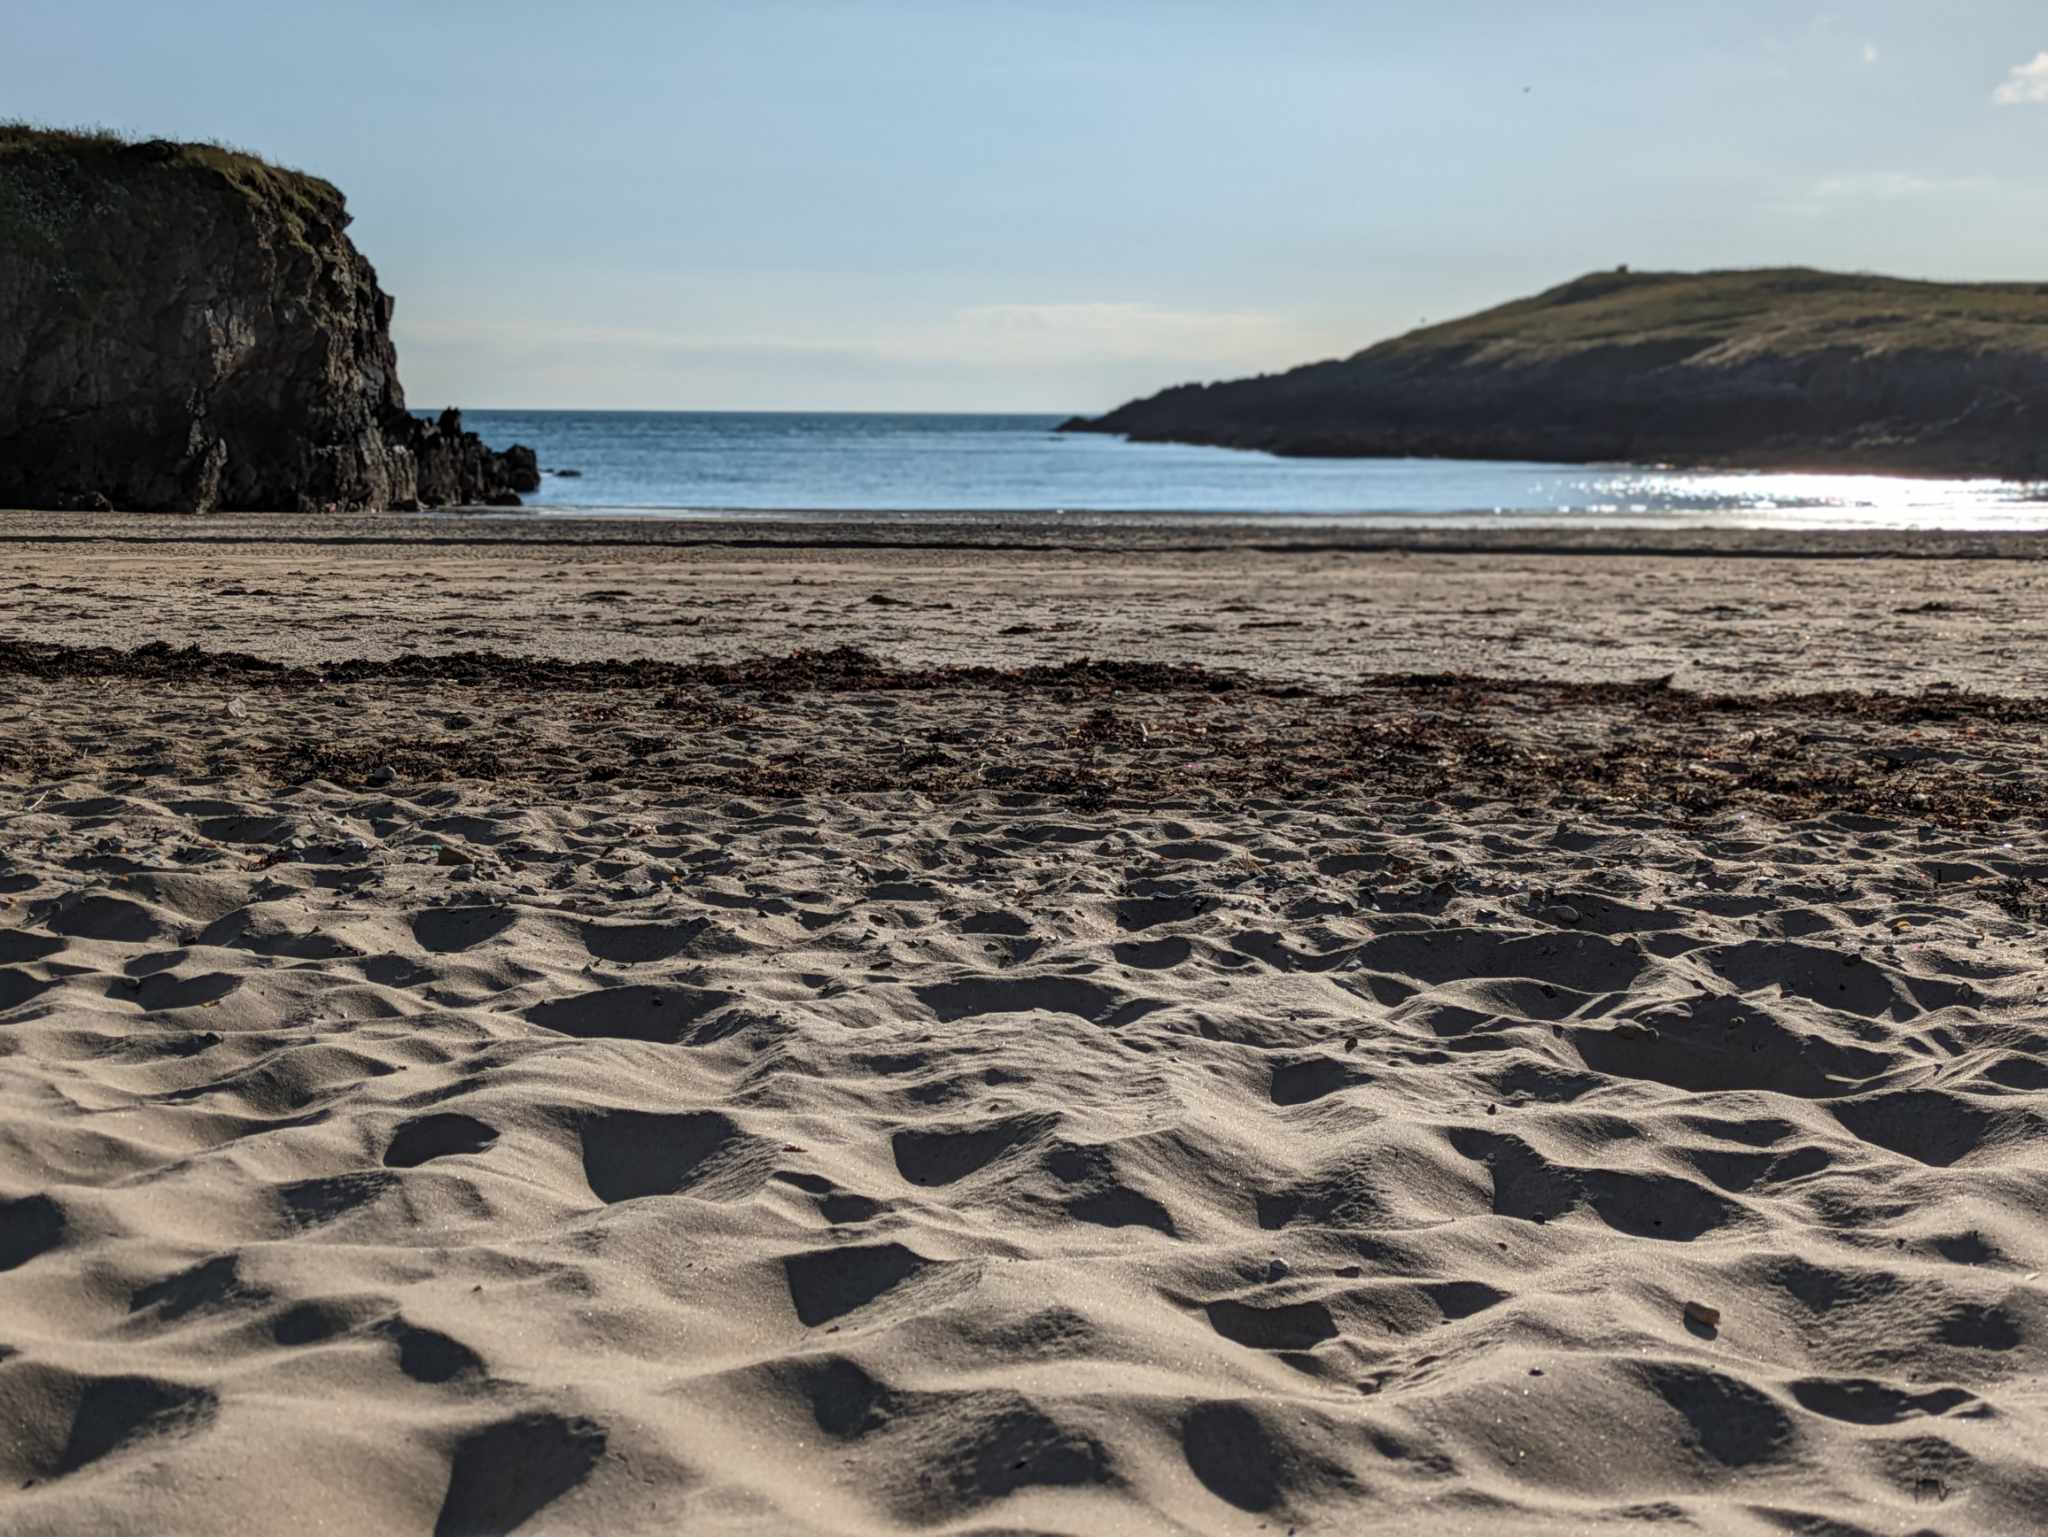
(920, 467)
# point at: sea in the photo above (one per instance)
(1016, 468)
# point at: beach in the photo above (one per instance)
(606, 1026)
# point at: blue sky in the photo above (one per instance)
(1038, 205)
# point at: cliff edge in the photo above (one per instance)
(1785, 368)
(187, 328)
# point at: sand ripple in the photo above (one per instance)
(854, 1163)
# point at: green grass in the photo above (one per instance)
(17, 136)
(298, 197)
(20, 136)
(1780, 309)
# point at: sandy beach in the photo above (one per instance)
(616, 1027)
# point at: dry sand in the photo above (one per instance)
(1503, 1041)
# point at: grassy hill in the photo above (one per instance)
(1770, 309)
(1779, 367)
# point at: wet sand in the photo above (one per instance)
(1164, 1033)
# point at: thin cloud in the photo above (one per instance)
(1896, 186)
(1026, 334)
(1870, 53)
(1115, 330)
(1001, 356)
(2027, 85)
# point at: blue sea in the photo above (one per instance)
(716, 464)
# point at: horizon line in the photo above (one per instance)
(724, 411)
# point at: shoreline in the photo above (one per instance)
(1744, 463)
(831, 531)
(1774, 615)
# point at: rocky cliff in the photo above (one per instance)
(184, 328)
(1779, 369)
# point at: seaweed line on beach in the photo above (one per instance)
(852, 669)
(1089, 732)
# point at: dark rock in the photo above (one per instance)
(522, 468)
(187, 328)
(1777, 369)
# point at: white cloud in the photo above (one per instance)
(2027, 85)
(1870, 53)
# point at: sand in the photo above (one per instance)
(717, 1037)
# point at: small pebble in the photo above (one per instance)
(1706, 1317)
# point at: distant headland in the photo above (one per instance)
(1784, 369)
(186, 327)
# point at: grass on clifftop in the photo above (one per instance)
(297, 196)
(1792, 309)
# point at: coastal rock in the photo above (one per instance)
(185, 328)
(1776, 369)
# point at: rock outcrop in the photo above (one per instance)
(1779, 369)
(186, 328)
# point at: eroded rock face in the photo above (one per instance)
(184, 328)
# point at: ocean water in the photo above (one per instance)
(922, 467)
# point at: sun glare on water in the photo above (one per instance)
(1808, 501)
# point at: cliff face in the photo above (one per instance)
(1785, 369)
(184, 328)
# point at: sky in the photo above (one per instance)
(1035, 205)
